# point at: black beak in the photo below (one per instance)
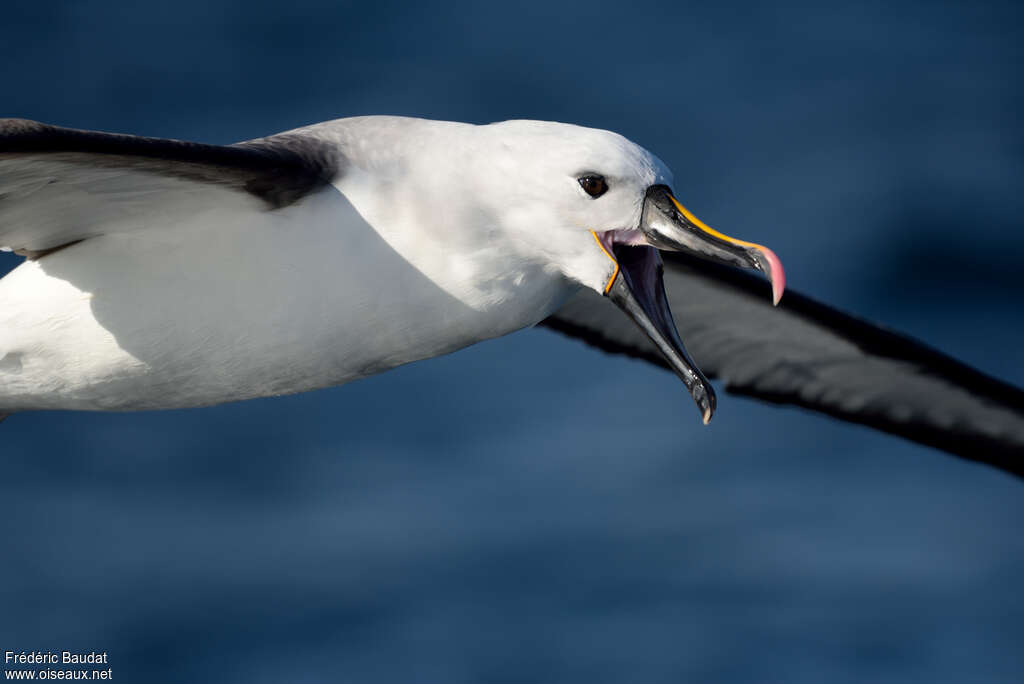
(667, 224)
(639, 289)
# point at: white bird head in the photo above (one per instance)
(599, 207)
(555, 185)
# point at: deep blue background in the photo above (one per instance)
(529, 509)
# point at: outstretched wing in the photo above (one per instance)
(60, 185)
(811, 355)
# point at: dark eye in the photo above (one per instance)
(595, 186)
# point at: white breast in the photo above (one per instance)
(230, 307)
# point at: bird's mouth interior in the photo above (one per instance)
(634, 237)
(633, 253)
(640, 255)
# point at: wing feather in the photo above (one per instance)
(808, 354)
(62, 185)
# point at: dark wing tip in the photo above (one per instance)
(15, 128)
(279, 170)
(872, 338)
(808, 354)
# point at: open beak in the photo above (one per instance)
(637, 286)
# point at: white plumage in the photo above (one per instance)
(429, 236)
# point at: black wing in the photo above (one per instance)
(811, 355)
(61, 185)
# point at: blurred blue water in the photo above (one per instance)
(492, 515)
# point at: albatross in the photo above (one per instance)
(168, 274)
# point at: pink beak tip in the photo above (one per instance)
(776, 274)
